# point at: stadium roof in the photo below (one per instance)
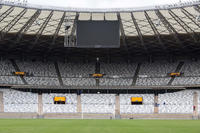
(143, 30)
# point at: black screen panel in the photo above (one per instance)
(98, 34)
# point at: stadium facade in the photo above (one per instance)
(157, 63)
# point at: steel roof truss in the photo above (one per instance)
(183, 25)
(6, 13)
(168, 26)
(41, 29)
(138, 31)
(8, 27)
(27, 25)
(55, 35)
(154, 30)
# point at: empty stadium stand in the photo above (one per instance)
(98, 103)
(37, 68)
(157, 68)
(186, 81)
(76, 69)
(176, 102)
(17, 101)
(42, 81)
(79, 81)
(10, 80)
(121, 69)
(152, 81)
(191, 68)
(157, 61)
(78, 74)
(146, 108)
(6, 67)
(114, 82)
(50, 107)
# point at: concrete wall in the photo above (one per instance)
(79, 106)
(195, 103)
(156, 108)
(1, 102)
(117, 105)
(40, 104)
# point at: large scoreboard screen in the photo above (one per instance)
(98, 34)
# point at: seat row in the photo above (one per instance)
(176, 102)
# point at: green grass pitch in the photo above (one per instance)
(98, 126)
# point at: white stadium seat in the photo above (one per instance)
(116, 73)
(121, 69)
(50, 107)
(147, 106)
(152, 81)
(176, 102)
(42, 81)
(180, 102)
(18, 101)
(98, 103)
(37, 68)
(76, 69)
(117, 81)
(79, 81)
